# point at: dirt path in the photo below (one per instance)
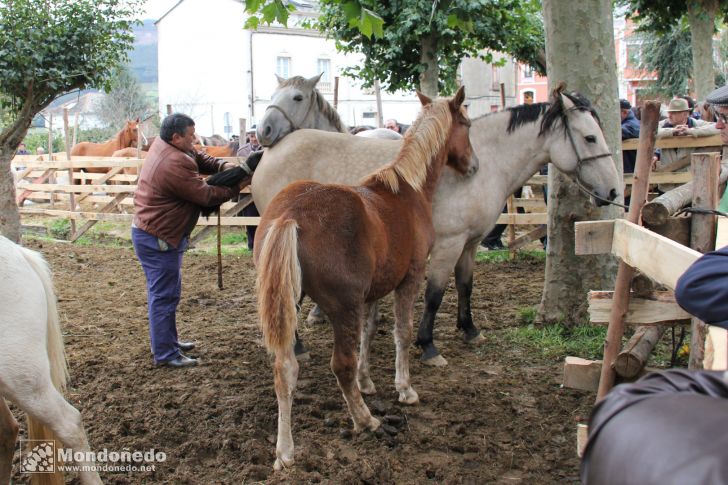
(496, 414)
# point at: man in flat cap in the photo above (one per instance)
(719, 100)
(679, 123)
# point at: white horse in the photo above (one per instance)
(33, 369)
(512, 145)
(297, 104)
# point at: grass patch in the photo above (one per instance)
(527, 315)
(60, 228)
(502, 256)
(557, 341)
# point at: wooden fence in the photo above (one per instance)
(108, 196)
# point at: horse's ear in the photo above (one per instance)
(314, 80)
(566, 102)
(459, 97)
(560, 87)
(423, 99)
(280, 80)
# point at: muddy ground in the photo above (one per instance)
(495, 414)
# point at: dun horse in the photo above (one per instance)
(33, 368)
(346, 247)
(512, 145)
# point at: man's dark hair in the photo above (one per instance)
(175, 123)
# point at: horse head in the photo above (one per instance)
(460, 154)
(291, 107)
(130, 134)
(581, 151)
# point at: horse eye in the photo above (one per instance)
(591, 138)
(298, 97)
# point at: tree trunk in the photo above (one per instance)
(428, 57)
(9, 215)
(701, 15)
(580, 51)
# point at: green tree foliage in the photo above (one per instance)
(46, 49)
(390, 34)
(669, 55)
(661, 15)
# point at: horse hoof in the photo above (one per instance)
(436, 361)
(372, 425)
(477, 339)
(281, 463)
(366, 386)
(408, 396)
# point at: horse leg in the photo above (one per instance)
(442, 259)
(347, 326)
(50, 409)
(316, 315)
(464, 285)
(404, 307)
(366, 386)
(8, 434)
(285, 376)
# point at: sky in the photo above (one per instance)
(156, 8)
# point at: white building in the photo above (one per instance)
(217, 72)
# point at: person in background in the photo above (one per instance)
(250, 210)
(40, 151)
(22, 150)
(169, 195)
(630, 129)
(392, 124)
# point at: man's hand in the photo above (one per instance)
(680, 130)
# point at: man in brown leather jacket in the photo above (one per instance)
(168, 199)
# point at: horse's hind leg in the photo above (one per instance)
(8, 435)
(285, 376)
(404, 303)
(366, 386)
(464, 285)
(49, 408)
(343, 363)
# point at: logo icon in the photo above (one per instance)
(37, 456)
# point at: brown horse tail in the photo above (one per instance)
(279, 285)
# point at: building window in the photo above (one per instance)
(527, 72)
(634, 55)
(528, 97)
(495, 78)
(283, 67)
(324, 67)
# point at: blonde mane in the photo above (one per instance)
(422, 142)
(325, 108)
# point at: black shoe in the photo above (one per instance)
(186, 346)
(181, 361)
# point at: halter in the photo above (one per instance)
(294, 126)
(580, 163)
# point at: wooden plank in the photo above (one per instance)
(593, 237)
(102, 180)
(520, 242)
(582, 437)
(79, 215)
(89, 224)
(677, 142)
(94, 177)
(229, 221)
(656, 256)
(658, 308)
(111, 189)
(530, 204)
(27, 190)
(663, 178)
(716, 349)
(523, 219)
(581, 373)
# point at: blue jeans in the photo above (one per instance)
(162, 267)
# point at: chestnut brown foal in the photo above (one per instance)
(346, 247)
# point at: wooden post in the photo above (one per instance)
(75, 129)
(242, 128)
(169, 109)
(139, 144)
(378, 94)
(52, 178)
(336, 92)
(71, 198)
(706, 170)
(615, 331)
(219, 250)
(503, 95)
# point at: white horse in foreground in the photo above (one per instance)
(33, 369)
